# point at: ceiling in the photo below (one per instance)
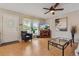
(36, 9)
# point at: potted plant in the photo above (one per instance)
(73, 31)
(46, 27)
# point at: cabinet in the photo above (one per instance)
(45, 33)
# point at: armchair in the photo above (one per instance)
(26, 36)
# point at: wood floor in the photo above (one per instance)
(38, 47)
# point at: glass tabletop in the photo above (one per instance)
(60, 41)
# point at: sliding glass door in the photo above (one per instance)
(35, 28)
(31, 26)
(26, 25)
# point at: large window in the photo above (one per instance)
(31, 26)
(44, 26)
(26, 25)
(35, 26)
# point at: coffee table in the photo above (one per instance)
(60, 43)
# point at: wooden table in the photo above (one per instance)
(60, 43)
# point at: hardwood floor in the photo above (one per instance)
(38, 47)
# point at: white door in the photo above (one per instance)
(10, 28)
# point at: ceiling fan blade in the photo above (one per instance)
(46, 8)
(56, 5)
(47, 12)
(51, 8)
(59, 9)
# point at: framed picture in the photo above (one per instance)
(61, 24)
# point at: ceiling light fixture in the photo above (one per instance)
(52, 11)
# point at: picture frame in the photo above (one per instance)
(61, 24)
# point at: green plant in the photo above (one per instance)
(33, 29)
(46, 27)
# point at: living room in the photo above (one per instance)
(36, 21)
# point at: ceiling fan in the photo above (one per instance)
(54, 8)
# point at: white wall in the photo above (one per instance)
(0, 28)
(73, 19)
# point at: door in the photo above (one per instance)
(10, 28)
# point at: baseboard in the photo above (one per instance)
(8, 43)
